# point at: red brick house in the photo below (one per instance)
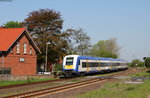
(18, 52)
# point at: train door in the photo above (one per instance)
(98, 61)
(87, 65)
(83, 66)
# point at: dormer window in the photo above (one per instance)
(18, 47)
(25, 48)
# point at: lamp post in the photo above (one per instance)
(2, 61)
(46, 56)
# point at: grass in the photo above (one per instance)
(121, 90)
(141, 74)
(75, 80)
(4, 83)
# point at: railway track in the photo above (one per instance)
(57, 89)
(53, 90)
(32, 83)
(124, 73)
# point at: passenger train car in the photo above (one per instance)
(78, 65)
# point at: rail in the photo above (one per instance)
(48, 91)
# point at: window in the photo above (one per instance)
(11, 50)
(30, 51)
(69, 61)
(5, 70)
(21, 59)
(18, 47)
(84, 64)
(25, 48)
(90, 64)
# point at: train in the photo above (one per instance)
(76, 65)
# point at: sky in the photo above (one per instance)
(126, 20)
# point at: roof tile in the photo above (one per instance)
(8, 36)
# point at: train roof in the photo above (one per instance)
(99, 58)
(95, 58)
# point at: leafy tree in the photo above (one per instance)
(45, 26)
(106, 48)
(147, 62)
(79, 42)
(137, 63)
(58, 67)
(13, 24)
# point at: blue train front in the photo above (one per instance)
(74, 65)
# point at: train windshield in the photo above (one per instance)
(69, 61)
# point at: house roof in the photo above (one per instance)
(8, 37)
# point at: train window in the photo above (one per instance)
(89, 64)
(108, 64)
(118, 64)
(94, 64)
(102, 64)
(113, 64)
(84, 64)
(69, 61)
(123, 64)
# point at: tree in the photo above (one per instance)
(136, 63)
(45, 26)
(79, 42)
(13, 24)
(106, 48)
(147, 62)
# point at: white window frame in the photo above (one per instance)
(11, 50)
(25, 48)
(18, 47)
(30, 51)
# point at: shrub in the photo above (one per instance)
(137, 63)
(147, 62)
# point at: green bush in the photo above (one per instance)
(58, 67)
(136, 63)
(147, 62)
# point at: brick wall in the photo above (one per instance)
(20, 63)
